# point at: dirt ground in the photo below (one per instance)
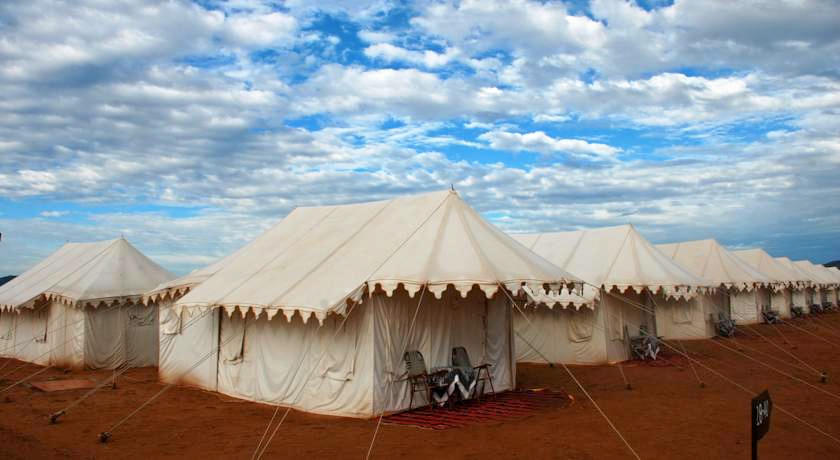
(666, 414)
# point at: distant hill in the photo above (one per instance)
(833, 263)
(6, 279)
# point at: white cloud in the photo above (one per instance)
(540, 142)
(261, 29)
(163, 104)
(375, 36)
(53, 213)
(425, 58)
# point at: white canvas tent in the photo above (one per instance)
(823, 283)
(80, 307)
(747, 289)
(625, 275)
(315, 313)
(785, 281)
(803, 295)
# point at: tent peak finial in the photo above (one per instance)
(451, 186)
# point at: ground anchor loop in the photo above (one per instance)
(104, 436)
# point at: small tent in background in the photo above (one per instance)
(823, 284)
(747, 290)
(803, 295)
(315, 314)
(785, 281)
(81, 307)
(627, 278)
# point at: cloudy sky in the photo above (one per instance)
(189, 127)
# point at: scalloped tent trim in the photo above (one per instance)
(590, 298)
(360, 294)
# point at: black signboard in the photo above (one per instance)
(761, 406)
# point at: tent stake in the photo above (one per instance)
(54, 417)
(627, 385)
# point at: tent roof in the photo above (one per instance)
(318, 258)
(177, 287)
(615, 257)
(832, 275)
(85, 273)
(817, 276)
(834, 272)
(709, 260)
(774, 269)
(803, 274)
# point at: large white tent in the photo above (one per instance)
(315, 313)
(80, 307)
(803, 295)
(785, 281)
(823, 283)
(747, 290)
(626, 277)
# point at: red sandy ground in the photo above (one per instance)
(666, 415)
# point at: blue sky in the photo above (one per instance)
(190, 127)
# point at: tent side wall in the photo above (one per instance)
(483, 326)
(781, 301)
(800, 299)
(183, 342)
(745, 307)
(827, 296)
(66, 336)
(561, 335)
(317, 368)
(8, 321)
(120, 335)
(624, 311)
(141, 335)
(32, 336)
(686, 320)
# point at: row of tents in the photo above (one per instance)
(317, 312)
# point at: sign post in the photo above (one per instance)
(761, 406)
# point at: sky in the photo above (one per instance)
(191, 127)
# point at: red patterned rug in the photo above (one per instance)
(507, 405)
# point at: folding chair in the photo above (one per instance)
(644, 346)
(420, 380)
(725, 326)
(798, 312)
(770, 316)
(461, 359)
